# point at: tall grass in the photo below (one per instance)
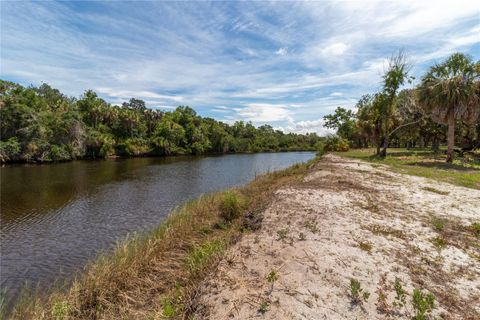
(155, 275)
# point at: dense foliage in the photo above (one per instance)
(443, 109)
(42, 124)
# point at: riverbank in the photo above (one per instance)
(325, 239)
(155, 274)
(354, 241)
(4, 163)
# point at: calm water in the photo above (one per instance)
(56, 217)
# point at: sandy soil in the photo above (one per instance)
(348, 219)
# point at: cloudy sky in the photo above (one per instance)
(282, 63)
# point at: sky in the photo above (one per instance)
(286, 64)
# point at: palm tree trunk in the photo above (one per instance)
(451, 135)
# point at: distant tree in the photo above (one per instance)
(343, 121)
(450, 91)
(135, 104)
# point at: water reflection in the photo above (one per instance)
(55, 217)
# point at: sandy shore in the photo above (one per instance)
(350, 220)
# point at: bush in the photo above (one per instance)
(335, 143)
(9, 150)
(134, 147)
(59, 153)
(230, 206)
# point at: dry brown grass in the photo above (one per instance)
(151, 276)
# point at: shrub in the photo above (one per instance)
(231, 206)
(423, 304)
(9, 150)
(59, 153)
(335, 143)
(356, 292)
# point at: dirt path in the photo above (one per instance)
(350, 220)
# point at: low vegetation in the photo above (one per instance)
(156, 275)
(424, 163)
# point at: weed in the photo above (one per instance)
(438, 224)
(312, 226)
(439, 242)
(221, 226)
(205, 230)
(443, 193)
(302, 236)
(365, 246)
(169, 309)
(401, 294)
(475, 228)
(231, 206)
(423, 304)
(60, 309)
(272, 276)
(201, 255)
(264, 306)
(357, 294)
(282, 234)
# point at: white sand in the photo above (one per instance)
(343, 205)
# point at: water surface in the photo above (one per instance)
(56, 217)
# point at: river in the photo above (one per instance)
(55, 217)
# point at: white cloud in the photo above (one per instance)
(281, 52)
(335, 49)
(264, 112)
(310, 126)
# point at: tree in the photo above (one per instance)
(393, 79)
(343, 121)
(450, 91)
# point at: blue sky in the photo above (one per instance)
(282, 63)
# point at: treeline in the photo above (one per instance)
(40, 124)
(443, 108)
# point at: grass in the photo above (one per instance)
(156, 275)
(423, 163)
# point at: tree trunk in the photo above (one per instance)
(451, 135)
(383, 154)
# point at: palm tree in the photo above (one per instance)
(450, 91)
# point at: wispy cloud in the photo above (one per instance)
(287, 64)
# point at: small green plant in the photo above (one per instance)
(357, 294)
(201, 255)
(169, 309)
(401, 294)
(302, 236)
(231, 206)
(423, 304)
(264, 306)
(475, 228)
(439, 243)
(282, 234)
(312, 226)
(272, 276)
(438, 224)
(60, 309)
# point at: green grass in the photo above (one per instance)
(423, 163)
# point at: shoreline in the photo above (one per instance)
(176, 253)
(118, 157)
(327, 238)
